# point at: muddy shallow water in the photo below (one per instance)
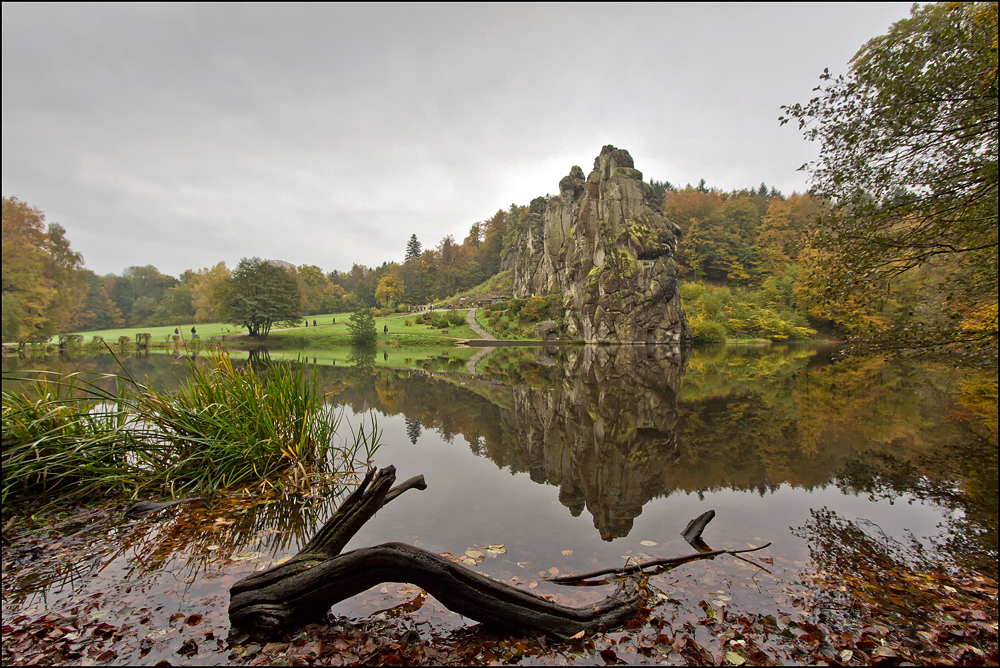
(571, 460)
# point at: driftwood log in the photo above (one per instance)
(301, 590)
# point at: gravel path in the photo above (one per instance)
(471, 319)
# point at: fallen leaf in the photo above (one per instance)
(475, 554)
(553, 571)
(647, 543)
(735, 659)
(577, 636)
(275, 647)
(532, 584)
(566, 553)
(247, 555)
(211, 548)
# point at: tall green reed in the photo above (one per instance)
(225, 426)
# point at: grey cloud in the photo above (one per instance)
(181, 135)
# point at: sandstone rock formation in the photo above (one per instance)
(605, 247)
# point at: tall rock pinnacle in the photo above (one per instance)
(603, 244)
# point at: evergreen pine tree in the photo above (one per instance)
(413, 248)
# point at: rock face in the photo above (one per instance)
(605, 247)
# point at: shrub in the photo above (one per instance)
(456, 318)
(362, 328)
(408, 323)
(533, 310)
(708, 331)
(692, 291)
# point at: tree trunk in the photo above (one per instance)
(302, 589)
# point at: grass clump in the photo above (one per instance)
(56, 444)
(225, 426)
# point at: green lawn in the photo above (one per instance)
(328, 333)
(205, 330)
(330, 329)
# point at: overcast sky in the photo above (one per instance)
(185, 135)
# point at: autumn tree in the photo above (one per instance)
(43, 281)
(491, 250)
(783, 228)
(209, 291)
(475, 236)
(450, 267)
(908, 160)
(315, 289)
(98, 310)
(261, 293)
(390, 289)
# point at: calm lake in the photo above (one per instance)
(574, 459)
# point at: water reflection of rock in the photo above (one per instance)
(606, 436)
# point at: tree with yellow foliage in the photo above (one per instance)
(43, 280)
(389, 289)
(908, 161)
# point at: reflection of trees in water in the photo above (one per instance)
(962, 480)
(259, 359)
(747, 418)
(860, 575)
(361, 363)
(597, 422)
(413, 430)
(607, 426)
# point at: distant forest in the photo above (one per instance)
(741, 260)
